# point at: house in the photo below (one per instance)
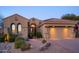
(51, 28)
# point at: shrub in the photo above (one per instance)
(38, 35)
(35, 35)
(12, 37)
(31, 34)
(19, 42)
(1, 39)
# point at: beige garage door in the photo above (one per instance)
(53, 33)
(61, 33)
(67, 33)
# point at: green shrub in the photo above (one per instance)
(19, 42)
(38, 35)
(35, 34)
(12, 37)
(1, 39)
(31, 34)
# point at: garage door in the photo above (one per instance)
(61, 33)
(67, 33)
(53, 33)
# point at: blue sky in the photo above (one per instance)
(40, 12)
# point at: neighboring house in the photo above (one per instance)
(50, 28)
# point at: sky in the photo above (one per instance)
(40, 12)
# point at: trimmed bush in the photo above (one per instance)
(19, 42)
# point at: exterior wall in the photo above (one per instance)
(45, 32)
(16, 19)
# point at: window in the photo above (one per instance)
(19, 27)
(13, 27)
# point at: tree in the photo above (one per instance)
(69, 16)
(77, 18)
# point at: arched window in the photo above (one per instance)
(13, 27)
(19, 27)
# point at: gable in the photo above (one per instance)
(15, 17)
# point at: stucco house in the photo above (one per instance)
(50, 28)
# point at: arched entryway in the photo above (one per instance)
(32, 31)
